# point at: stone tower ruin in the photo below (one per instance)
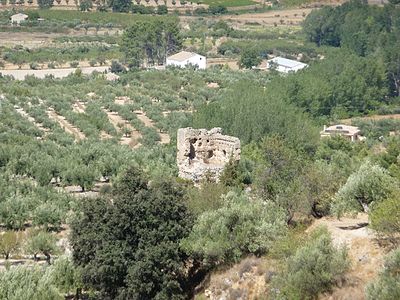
(201, 151)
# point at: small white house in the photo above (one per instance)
(285, 65)
(352, 133)
(184, 58)
(18, 18)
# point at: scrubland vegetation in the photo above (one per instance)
(130, 228)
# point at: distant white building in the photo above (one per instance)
(285, 65)
(184, 59)
(352, 133)
(18, 18)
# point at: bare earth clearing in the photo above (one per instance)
(290, 16)
(165, 139)
(79, 107)
(119, 123)
(248, 278)
(231, 63)
(270, 18)
(364, 251)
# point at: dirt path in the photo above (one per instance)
(365, 254)
(79, 107)
(371, 118)
(165, 138)
(122, 100)
(119, 123)
(66, 125)
(24, 114)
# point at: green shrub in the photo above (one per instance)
(93, 62)
(54, 282)
(9, 243)
(45, 4)
(385, 216)
(33, 66)
(51, 65)
(42, 242)
(74, 64)
(370, 183)
(162, 10)
(313, 269)
(387, 285)
(206, 198)
(239, 227)
(116, 67)
(27, 283)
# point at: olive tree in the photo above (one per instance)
(314, 268)
(370, 183)
(9, 243)
(239, 227)
(42, 242)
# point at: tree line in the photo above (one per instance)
(367, 30)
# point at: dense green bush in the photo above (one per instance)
(385, 216)
(239, 227)
(38, 283)
(27, 283)
(387, 285)
(151, 41)
(129, 248)
(368, 185)
(251, 112)
(313, 269)
(42, 242)
(10, 243)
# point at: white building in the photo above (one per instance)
(184, 58)
(285, 65)
(18, 18)
(352, 133)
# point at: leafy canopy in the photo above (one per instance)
(128, 248)
(239, 227)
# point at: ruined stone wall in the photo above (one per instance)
(201, 151)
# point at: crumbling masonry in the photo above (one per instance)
(201, 151)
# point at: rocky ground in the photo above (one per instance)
(249, 279)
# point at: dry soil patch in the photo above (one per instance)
(24, 114)
(68, 127)
(119, 123)
(165, 138)
(364, 251)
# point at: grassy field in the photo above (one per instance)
(227, 3)
(101, 18)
